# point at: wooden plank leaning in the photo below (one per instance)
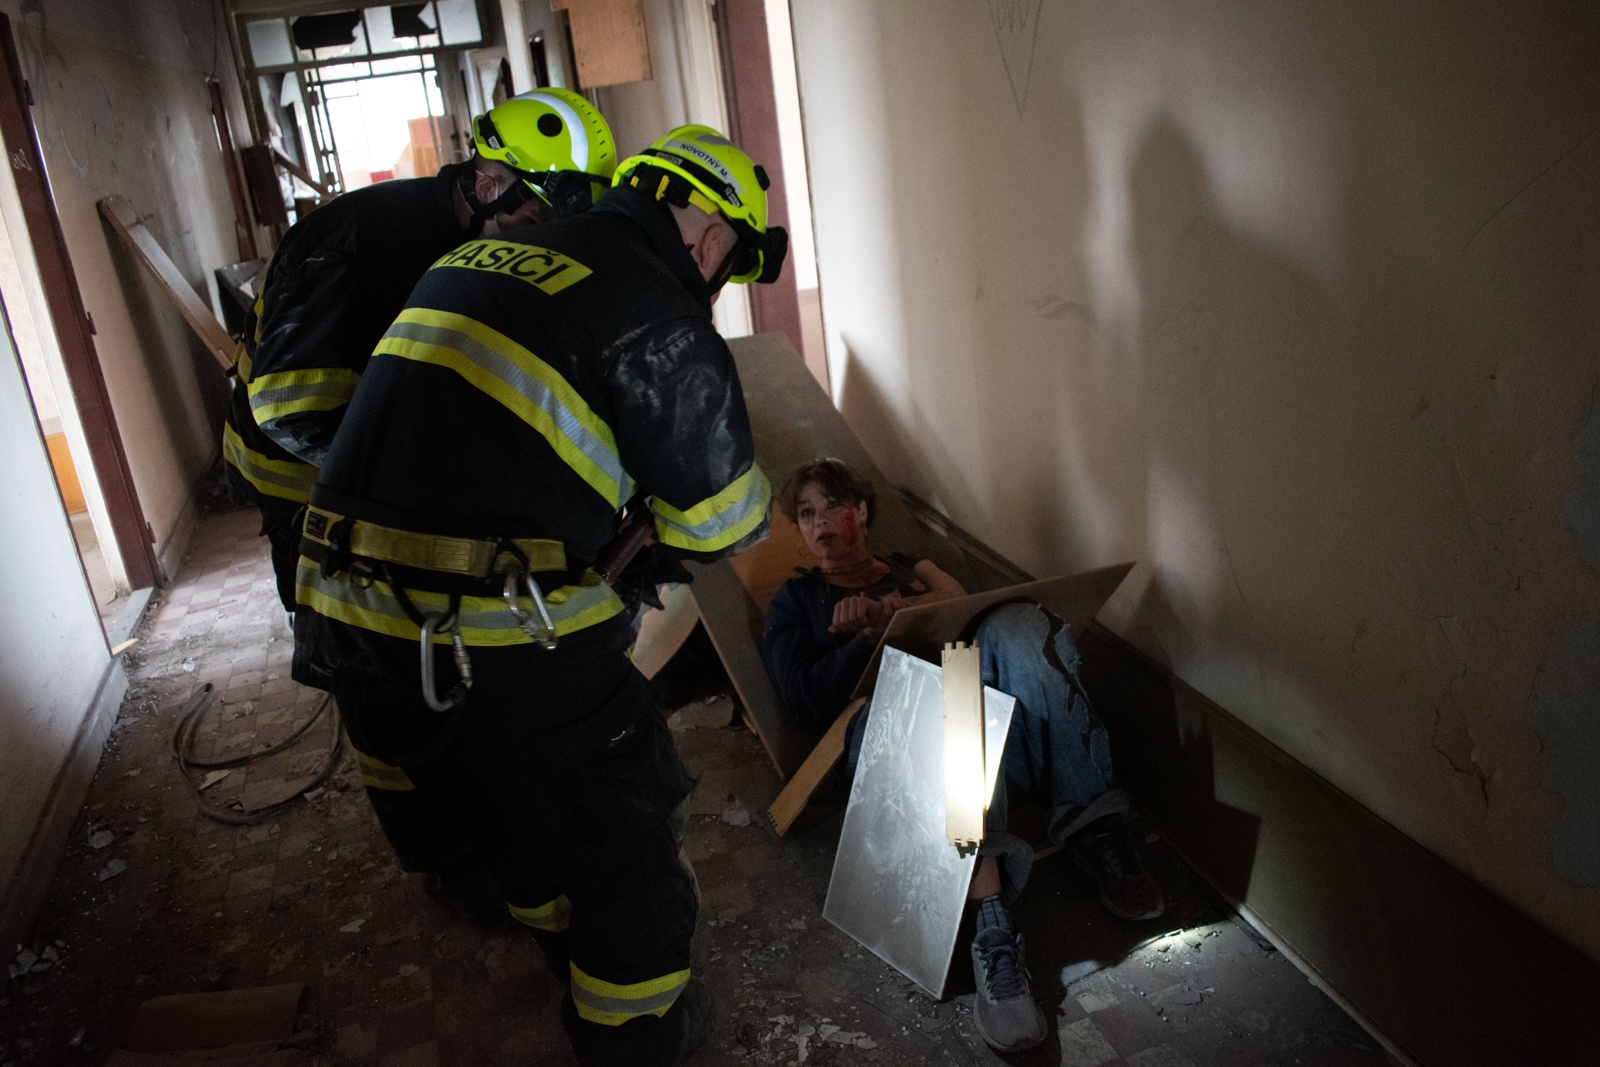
(799, 790)
(142, 243)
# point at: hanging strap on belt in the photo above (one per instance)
(342, 537)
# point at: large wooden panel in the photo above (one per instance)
(793, 422)
(608, 41)
(663, 631)
(733, 622)
(921, 630)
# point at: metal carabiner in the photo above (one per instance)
(542, 630)
(431, 625)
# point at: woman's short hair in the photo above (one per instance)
(837, 482)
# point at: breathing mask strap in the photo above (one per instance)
(516, 194)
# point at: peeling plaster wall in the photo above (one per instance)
(1297, 305)
(122, 109)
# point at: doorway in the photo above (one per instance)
(353, 96)
(54, 338)
(383, 126)
(107, 578)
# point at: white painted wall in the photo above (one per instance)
(687, 87)
(1298, 305)
(791, 136)
(55, 652)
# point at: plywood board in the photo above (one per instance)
(182, 296)
(793, 422)
(734, 625)
(922, 630)
(898, 885)
(822, 760)
(66, 473)
(609, 42)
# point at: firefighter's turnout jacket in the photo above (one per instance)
(335, 283)
(533, 384)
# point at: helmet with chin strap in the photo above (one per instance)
(555, 141)
(695, 166)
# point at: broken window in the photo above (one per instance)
(305, 41)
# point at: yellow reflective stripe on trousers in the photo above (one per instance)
(612, 1005)
(554, 916)
(376, 774)
(525, 384)
(287, 479)
(719, 521)
(272, 396)
(483, 621)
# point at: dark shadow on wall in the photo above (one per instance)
(1268, 439)
(1245, 433)
(1163, 750)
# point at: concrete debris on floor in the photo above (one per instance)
(155, 899)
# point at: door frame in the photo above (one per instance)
(753, 125)
(69, 319)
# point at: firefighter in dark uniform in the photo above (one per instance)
(535, 384)
(336, 282)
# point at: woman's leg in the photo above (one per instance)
(1057, 747)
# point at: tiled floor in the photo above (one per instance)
(313, 895)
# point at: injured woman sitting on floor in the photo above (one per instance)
(821, 629)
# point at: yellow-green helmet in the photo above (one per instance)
(697, 165)
(547, 130)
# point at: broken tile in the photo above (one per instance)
(1083, 1046)
(1159, 1056)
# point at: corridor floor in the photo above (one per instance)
(153, 898)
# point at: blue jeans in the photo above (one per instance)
(1056, 749)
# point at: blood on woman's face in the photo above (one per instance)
(831, 529)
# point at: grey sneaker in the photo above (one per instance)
(1004, 1010)
(1105, 853)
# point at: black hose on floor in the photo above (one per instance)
(183, 738)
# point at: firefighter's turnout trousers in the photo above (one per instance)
(560, 771)
(336, 281)
(534, 385)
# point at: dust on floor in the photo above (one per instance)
(154, 898)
